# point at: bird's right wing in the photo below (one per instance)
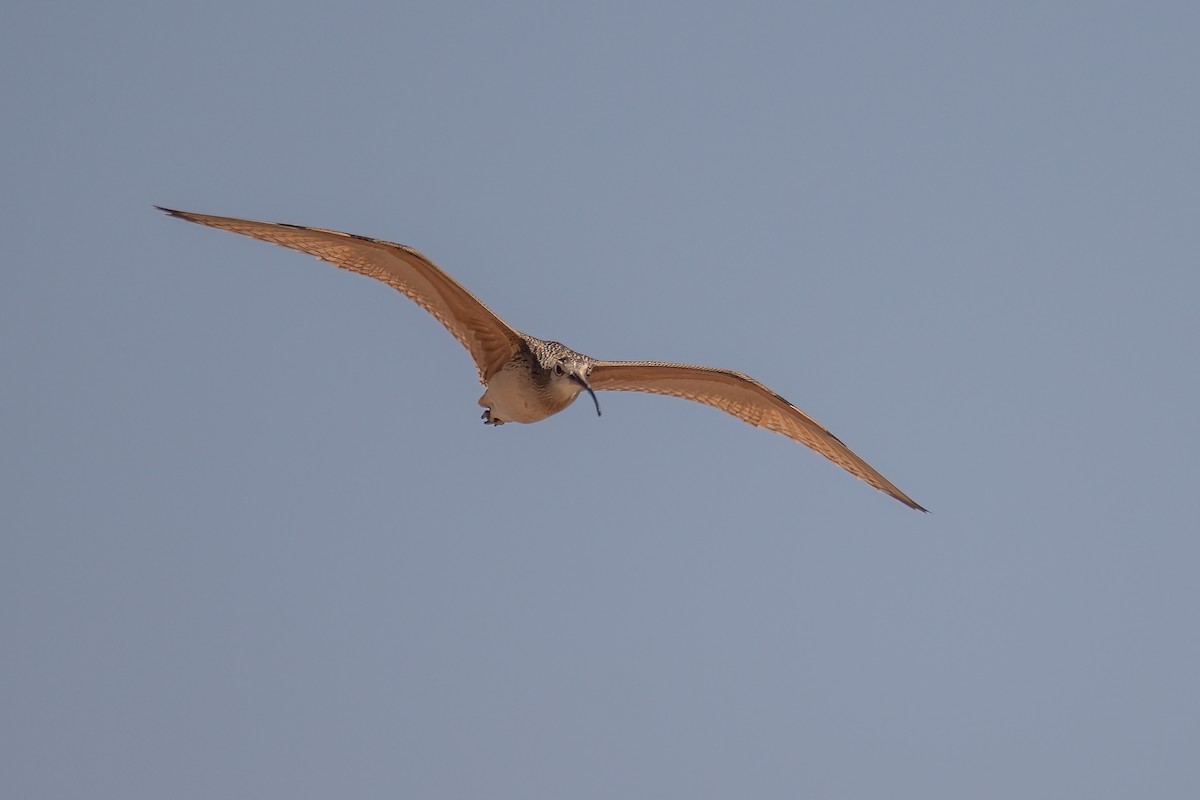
(744, 398)
(491, 342)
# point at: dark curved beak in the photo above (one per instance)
(582, 381)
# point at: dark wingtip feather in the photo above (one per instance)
(914, 504)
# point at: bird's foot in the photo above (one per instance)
(488, 419)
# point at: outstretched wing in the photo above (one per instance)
(744, 398)
(491, 342)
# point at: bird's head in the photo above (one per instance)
(568, 371)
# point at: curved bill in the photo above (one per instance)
(583, 382)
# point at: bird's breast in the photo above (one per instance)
(514, 395)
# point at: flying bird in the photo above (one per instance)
(528, 379)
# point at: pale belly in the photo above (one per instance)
(511, 397)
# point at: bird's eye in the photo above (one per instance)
(558, 369)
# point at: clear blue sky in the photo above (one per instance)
(257, 543)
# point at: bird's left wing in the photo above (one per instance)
(489, 339)
(744, 398)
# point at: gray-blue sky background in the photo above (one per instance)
(256, 541)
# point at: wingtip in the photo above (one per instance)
(172, 212)
(908, 501)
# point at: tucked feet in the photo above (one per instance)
(488, 419)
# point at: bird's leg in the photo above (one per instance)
(487, 403)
